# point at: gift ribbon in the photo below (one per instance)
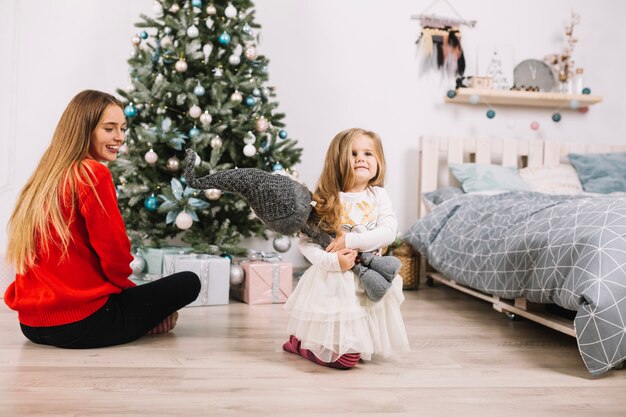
(271, 257)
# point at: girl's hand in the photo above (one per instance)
(338, 244)
(347, 257)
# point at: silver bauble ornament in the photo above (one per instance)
(184, 220)
(206, 118)
(192, 31)
(210, 10)
(173, 164)
(181, 65)
(195, 111)
(236, 97)
(236, 274)
(234, 59)
(249, 150)
(216, 142)
(138, 264)
(213, 194)
(281, 243)
(151, 157)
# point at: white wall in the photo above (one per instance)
(336, 64)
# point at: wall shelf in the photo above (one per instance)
(522, 98)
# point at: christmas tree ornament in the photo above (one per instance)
(277, 167)
(491, 114)
(151, 203)
(295, 173)
(157, 8)
(130, 88)
(249, 150)
(172, 164)
(183, 220)
(534, 125)
(195, 111)
(193, 32)
(556, 117)
(224, 38)
(282, 134)
(247, 29)
(130, 110)
(199, 90)
(230, 11)
(227, 256)
(166, 124)
(209, 23)
(123, 149)
(213, 194)
(218, 72)
(216, 142)
(194, 132)
(236, 274)
(151, 157)
(256, 92)
(236, 97)
(196, 3)
(181, 65)
(174, 8)
(250, 52)
(451, 93)
(262, 124)
(250, 101)
(206, 51)
(166, 42)
(249, 139)
(210, 10)
(143, 34)
(234, 59)
(281, 243)
(198, 161)
(138, 264)
(167, 30)
(135, 40)
(206, 118)
(266, 92)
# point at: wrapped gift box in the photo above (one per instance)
(154, 259)
(265, 282)
(214, 273)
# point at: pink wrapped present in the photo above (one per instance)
(265, 282)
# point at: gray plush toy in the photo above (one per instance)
(284, 205)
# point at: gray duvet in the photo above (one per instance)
(566, 250)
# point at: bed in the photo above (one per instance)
(557, 259)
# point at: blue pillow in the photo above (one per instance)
(479, 177)
(600, 172)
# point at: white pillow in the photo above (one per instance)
(559, 179)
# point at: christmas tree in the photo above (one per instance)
(197, 81)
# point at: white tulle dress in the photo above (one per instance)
(329, 310)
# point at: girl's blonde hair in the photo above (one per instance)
(37, 220)
(338, 176)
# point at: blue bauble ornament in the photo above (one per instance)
(556, 117)
(151, 203)
(491, 114)
(130, 111)
(168, 56)
(196, 3)
(182, 180)
(282, 134)
(144, 34)
(451, 93)
(227, 256)
(250, 101)
(199, 91)
(224, 38)
(256, 92)
(586, 90)
(193, 132)
(278, 167)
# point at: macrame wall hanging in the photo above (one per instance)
(439, 43)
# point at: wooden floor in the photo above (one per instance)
(227, 361)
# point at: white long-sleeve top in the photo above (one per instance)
(369, 222)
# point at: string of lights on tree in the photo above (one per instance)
(197, 81)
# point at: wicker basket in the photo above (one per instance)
(410, 266)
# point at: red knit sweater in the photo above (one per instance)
(60, 290)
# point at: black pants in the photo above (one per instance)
(125, 317)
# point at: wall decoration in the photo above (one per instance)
(562, 64)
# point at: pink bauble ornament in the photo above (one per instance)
(262, 124)
(151, 157)
(583, 110)
(534, 125)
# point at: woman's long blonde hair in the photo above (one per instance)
(37, 220)
(338, 175)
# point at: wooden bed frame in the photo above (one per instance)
(437, 152)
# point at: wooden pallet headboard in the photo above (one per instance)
(436, 152)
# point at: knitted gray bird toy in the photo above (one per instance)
(284, 206)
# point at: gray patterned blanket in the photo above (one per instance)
(566, 250)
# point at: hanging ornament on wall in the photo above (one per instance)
(184, 220)
(172, 164)
(556, 117)
(281, 243)
(236, 274)
(534, 125)
(151, 157)
(212, 194)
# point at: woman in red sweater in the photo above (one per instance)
(68, 242)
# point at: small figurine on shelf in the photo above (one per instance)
(562, 64)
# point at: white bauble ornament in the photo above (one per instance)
(234, 60)
(236, 274)
(193, 32)
(249, 138)
(173, 164)
(195, 111)
(136, 40)
(213, 194)
(206, 118)
(250, 52)
(210, 10)
(151, 157)
(175, 8)
(216, 142)
(181, 65)
(138, 264)
(184, 220)
(230, 11)
(281, 243)
(249, 150)
(236, 97)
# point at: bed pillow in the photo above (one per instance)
(602, 173)
(559, 179)
(432, 199)
(483, 177)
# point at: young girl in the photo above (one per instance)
(332, 322)
(68, 242)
